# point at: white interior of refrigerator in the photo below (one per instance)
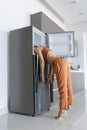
(39, 38)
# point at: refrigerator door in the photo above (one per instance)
(61, 43)
(41, 91)
(37, 94)
(45, 91)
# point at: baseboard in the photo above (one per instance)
(3, 110)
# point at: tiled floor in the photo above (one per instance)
(75, 119)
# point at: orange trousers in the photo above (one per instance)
(62, 70)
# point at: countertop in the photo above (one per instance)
(77, 71)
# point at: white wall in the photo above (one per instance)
(14, 14)
(3, 68)
(85, 57)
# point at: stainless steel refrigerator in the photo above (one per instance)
(27, 95)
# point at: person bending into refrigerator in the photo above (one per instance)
(61, 68)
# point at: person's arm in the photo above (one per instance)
(51, 76)
(41, 67)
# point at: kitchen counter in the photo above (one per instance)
(77, 71)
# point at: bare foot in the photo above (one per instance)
(61, 113)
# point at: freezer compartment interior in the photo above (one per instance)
(62, 43)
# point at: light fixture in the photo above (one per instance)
(81, 13)
(75, 1)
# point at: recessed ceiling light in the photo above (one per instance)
(81, 13)
(75, 1)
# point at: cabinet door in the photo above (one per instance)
(77, 79)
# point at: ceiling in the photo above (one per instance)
(68, 11)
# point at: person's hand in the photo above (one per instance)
(43, 81)
(50, 79)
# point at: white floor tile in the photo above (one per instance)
(75, 119)
(82, 122)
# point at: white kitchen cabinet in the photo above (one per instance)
(77, 79)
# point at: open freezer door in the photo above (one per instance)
(62, 44)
